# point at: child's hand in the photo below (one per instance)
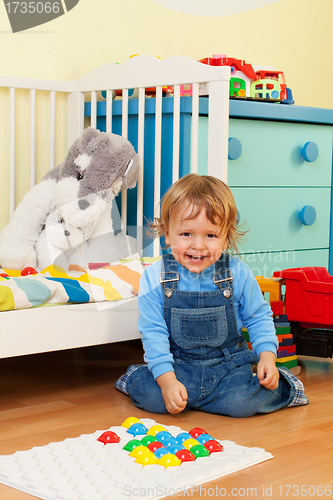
(267, 372)
(174, 392)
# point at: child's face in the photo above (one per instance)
(195, 243)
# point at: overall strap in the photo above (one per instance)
(222, 276)
(169, 276)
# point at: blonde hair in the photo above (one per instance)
(198, 192)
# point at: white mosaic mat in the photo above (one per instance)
(83, 468)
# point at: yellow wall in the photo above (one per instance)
(293, 35)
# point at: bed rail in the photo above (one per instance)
(138, 73)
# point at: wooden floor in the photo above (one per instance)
(50, 397)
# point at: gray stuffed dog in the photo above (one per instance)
(69, 200)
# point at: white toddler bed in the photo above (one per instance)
(25, 129)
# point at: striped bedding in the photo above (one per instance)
(55, 285)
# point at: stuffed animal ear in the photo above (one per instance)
(90, 138)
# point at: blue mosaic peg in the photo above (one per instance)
(203, 438)
(183, 436)
(176, 447)
(170, 441)
(163, 435)
(136, 429)
(160, 452)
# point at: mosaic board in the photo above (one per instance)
(85, 468)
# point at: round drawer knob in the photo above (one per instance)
(310, 151)
(308, 215)
(234, 148)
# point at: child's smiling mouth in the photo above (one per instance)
(196, 258)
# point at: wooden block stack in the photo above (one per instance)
(286, 354)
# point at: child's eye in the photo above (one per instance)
(186, 234)
(211, 235)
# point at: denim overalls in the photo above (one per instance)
(211, 357)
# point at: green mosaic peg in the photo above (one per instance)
(133, 443)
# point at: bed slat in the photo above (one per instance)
(157, 163)
(75, 123)
(32, 138)
(52, 128)
(195, 128)
(141, 136)
(176, 131)
(93, 118)
(109, 111)
(124, 133)
(12, 163)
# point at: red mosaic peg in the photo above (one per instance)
(109, 437)
(185, 455)
(197, 431)
(213, 446)
(153, 446)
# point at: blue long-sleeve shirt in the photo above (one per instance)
(252, 311)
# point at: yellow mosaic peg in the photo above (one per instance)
(188, 443)
(169, 460)
(147, 459)
(155, 429)
(139, 450)
(130, 421)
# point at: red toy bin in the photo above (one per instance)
(309, 296)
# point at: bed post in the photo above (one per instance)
(218, 128)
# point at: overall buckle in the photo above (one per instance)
(168, 279)
(217, 281)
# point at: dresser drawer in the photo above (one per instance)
(272, 217)
(271, 154)
(266, 263)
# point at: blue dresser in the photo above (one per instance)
(280, 171)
